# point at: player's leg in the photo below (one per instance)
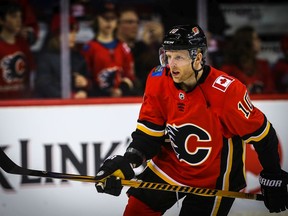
(139, 208)
(206, 206)
(148, 202)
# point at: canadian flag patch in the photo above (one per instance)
(222, 83)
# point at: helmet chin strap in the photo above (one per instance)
(196, 71)
(196, 75)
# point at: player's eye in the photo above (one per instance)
(179, 58)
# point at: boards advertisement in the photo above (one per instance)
(76, 139)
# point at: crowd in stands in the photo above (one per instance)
(48, 72)
(122, 50)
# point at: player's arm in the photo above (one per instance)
(146, 142)
(242, 118)
(253, 127)
(265, 142)
(150, 130)
(273, 179)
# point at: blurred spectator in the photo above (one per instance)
(16, 60)
(128, 25)
(146, 50)
(144, 46)
(241, 61)
(109, 60)
(30, 26)
(280, 69)
(48, 77)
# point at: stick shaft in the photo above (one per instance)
(191, 190)
(10, 167)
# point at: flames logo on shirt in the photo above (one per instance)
(107, 77)
(186, 139)
(13, 67)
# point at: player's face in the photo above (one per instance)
(179, 62)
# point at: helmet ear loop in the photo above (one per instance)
(195, 70)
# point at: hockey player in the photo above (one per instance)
(209, 118)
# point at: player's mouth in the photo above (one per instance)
(175, 73)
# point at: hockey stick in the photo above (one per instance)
(10, 167)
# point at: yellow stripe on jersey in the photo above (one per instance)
(229, 165)
(261, 135)
(244, 158)
(150, 131)
(161, 174)
(225, 185)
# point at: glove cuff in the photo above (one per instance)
(135, 157)
(116, 165)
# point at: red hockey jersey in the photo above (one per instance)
(108, 66)
(16, 62)
(207, 127)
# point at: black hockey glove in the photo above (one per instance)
(110, 174)
(111, 185)
(274, 190)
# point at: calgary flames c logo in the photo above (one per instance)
(13, 67)
(186, 149)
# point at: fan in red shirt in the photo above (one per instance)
(16, 60)
(109, 60)
(192, 129)
(241, 61)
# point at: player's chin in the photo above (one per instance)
(176, 79)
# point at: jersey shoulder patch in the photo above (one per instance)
(157, 71)
(222, 82)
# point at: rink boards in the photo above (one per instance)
(76, 138)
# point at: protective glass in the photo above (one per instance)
(179, 60)
(162, 57)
